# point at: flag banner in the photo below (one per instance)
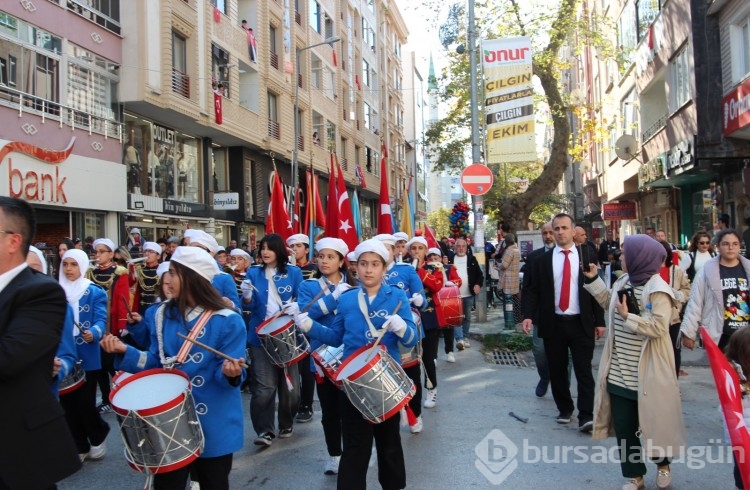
(320, 217)
(309, 207)
(218, 113)
(429, 235)
(295, 219)
(509, 100)
(217, 15)
(278, 216)
(332, 208)
(347, 231)
(356, 215)
(407, 214)
(360, 176)
(385, 215)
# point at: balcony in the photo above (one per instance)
(275, 60)
(274, 130)
(180, 83)
(345, 164)
(298, 18)
(301, 143)
(657, 126)
(299, 80)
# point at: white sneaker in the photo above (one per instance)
(450, 357)
(466, 344)
(431, 399)
(418, 426)
(332, 466)
(460, 345)
(98, 452)
(194, 485)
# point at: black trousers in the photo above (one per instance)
(307, 384)
(415, 373)
(674, 332)
(358, 436)
(569, 336)
(449, 336)
(330, 407)
(211, 473)
(85, 423)
(429, 357)
(107, 370)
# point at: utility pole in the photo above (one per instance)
(478, 201)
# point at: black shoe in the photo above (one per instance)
(564, 417)
(305, 414)
(104, 408)
(587, 426)
(541, 388)
(264, 439)
(285, 433)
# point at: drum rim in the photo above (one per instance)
(152, 410)
(73, 387)
(366, 367)
(271, 320)
(155, 470)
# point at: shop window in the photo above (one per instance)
(220, 170)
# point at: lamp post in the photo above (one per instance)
(295, 151)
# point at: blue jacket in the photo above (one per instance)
(217, 402)
(323, 310)
(350, 327)
(92, 315)
(404, 276)
(66, 350)
(140, 331)
(286, 286)
(226, 287)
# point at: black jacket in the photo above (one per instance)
(476, 278)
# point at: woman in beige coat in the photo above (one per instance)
(637, 396)
(510, 280)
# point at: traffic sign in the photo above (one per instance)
(477, 179)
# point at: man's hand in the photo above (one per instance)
(477, 289)
(599, 332)
(526, 326)
(688, 342)
(56, 365)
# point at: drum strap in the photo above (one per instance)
(194, 333)
(186, 346)
(272, 288)
(326, 291)
(363, 308)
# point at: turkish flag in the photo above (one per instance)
(332, 208)
(217, 15)
(730, 398)
(429, 235)
(278, 217)
(217, 108)
(335, 61)
(385, 215)
(320, 216)
(347, 229)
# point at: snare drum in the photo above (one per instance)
(410, 356)
(74, 380)
(119, 377)
(329, 360)
(282, 341)
(378, 387)
(158, 421)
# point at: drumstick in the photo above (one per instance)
(313, 301)
(209, 349)
(127, 306)
(377, 342)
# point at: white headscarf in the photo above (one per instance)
(39, 254)
(75, 289)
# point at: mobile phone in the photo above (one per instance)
(630, 300)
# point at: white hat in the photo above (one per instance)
(133, 231)
(221, 249)
(351, 257)
(190, 233)
(372, 245)
(153, 246)
(39, 254)
(386, 238)
(401, 236)
(163, 267)
(200, 237)
(106, 242)
(238, 252)
(298, 238)
(197, 259)
(417, 239)
(336, 244)
(434, 250)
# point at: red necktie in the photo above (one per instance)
(565, 291)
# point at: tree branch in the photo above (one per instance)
(517, 11)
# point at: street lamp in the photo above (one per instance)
(295, 151)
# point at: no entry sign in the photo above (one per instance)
(477, 179)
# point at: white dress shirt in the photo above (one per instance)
(7, 277)
(558, 259)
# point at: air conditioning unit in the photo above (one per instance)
(662, 198)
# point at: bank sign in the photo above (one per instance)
(57, 177)
(736, 107)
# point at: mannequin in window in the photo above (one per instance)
(168, 173)
(182, 168)
(132, 160)
(153, 171)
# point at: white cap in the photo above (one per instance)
(372, 245)
(401, 236)
(351, 257)
(39, 254)
(190, 233)
(221, 249)
(106, 242)
(336, 244)
(133, 231)
(434, 250)
(153, 246)
(386, 238)
(417, 239)
(298, 238)
(238, 252)
(163, 267)
(197, 259)
(200, 237)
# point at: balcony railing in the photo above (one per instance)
(274, 130)
(275, 60)
(654, 128)
(299, 80)
(301, 143)
(92, 11)
(298, 18)
(67, 116)
(180, 83)
(345, 164)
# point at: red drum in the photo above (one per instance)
(281, 340)
(74, 380)
(449, 307)
(329, 360)
(410, 356)
(375, 384)
(158, 421)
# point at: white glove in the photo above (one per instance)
(417, 300)
(395, 324)
(291, 309)
(247, 290)
(449, 283)
(341, 288)
(303, 322)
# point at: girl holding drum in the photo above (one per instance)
(215, 381)
(333, 280)
(365, 314)
(264, 292)
(89, 305)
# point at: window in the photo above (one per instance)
(368, 34)
(272, 46)
(92, 83)
(219, 169)
(318, 127)
(331, 132)
(365, 73)
(627, 38)
(180, 78)
(221, 5)
(680, 89)
(629, 111)
(274, 130)
(105, 13)
(315, 16)
(328, 26)
(368, 116)
(315, 72)
(647, 12)
(219, 71)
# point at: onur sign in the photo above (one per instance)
(737, 108)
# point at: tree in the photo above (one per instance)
(439, 222)
(450, 137)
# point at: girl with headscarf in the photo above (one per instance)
(636, 390)
(89, 305)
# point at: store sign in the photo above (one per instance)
(183, 208)
(680, 155)
(60, 178)
(652, 170)
(737, 108)
(617, 211)
(226, 201)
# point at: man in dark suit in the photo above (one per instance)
(39, 449)
(569, 319)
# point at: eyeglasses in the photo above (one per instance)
(704, 242)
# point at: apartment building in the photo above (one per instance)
(415, 95)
